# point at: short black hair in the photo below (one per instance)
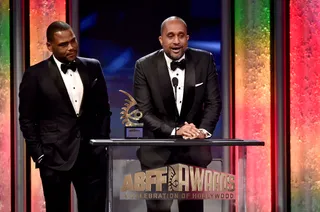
(169, 19)
(54, 27)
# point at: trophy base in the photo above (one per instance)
(133, 132)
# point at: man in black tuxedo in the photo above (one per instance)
(63, 104)
(176, 89)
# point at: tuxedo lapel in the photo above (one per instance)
(165, 85)
(83, 72)
(189, 83)
(58, 81)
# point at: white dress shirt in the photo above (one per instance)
(74, 86)
(180, 74)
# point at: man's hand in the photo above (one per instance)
(188, 131)
(202, 135)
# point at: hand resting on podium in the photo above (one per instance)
(190, 131)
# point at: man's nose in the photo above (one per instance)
(176, 40)
(70, 46)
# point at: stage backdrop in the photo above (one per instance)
(305, 105)
(5, 138)
(253, 96)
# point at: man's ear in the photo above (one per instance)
(160, 40)
(49, 46)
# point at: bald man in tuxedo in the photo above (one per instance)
(176, 89)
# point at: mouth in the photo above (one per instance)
(71, 54)
(176, 50)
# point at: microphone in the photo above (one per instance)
(175, 82)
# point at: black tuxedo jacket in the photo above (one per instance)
(48, 120)
(155, 99)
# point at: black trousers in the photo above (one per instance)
(88, 176)
(178, 155)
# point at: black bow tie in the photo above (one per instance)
(174, 65)
(71, 65)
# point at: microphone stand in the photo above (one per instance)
(175, 82)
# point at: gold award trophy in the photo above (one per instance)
(133, 129)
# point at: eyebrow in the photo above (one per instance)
(180, 32)
(64, 43)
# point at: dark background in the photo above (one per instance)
(118, 32)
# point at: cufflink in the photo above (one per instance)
(40, 159)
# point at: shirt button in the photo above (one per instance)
(75, 100)
(74, 87)
(180, 101)
(177, 74)
(179, 87)
(70, 74)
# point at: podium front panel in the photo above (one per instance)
(131, 184)
(123, 167)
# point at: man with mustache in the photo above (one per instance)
(63, 104)
(176, 89)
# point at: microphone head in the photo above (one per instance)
(175, 81)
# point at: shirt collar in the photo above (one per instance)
(169, 60)
(57, 62)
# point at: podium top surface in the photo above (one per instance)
(175, 142)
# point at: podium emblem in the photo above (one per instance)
(130, 118)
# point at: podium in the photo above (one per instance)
(124, 150)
